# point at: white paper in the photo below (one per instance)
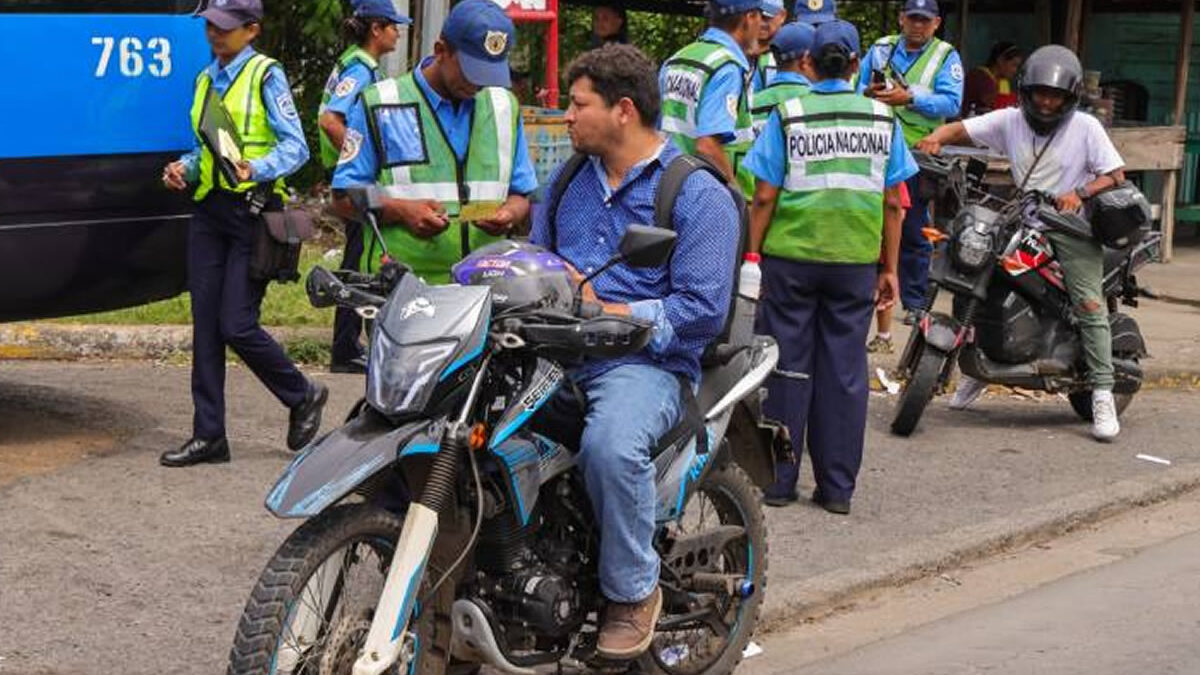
(1156, 460)
(890, 385)
(751, 650)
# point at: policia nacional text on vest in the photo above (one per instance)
(244, 102)
(484, 174)
(830, 207)
(353, 54)
(922, 72)
(687, 74)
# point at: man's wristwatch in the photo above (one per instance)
(1082, 193)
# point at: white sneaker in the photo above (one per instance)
(1105, 426)
(968, 390)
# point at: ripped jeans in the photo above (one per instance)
(1082, 263)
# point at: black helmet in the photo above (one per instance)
(1053, 67)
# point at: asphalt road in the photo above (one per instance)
(1119, 605)
(111, 563)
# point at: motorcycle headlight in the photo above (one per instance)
(400, 379)
(972, 249)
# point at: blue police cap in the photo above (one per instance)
(837, 32)
(727, 7)
(230, 14)
(482, 34)
(814, 12)
(379, 9)
(771, 8)
(793, 41)
(925, 8)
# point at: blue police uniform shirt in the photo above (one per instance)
(713, 117)
(768, 158)
(350, 83)
(944, 101)
(688, 299)
(761, 78)
(291, 150)
(362, 168)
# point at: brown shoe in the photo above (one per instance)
(629, 628)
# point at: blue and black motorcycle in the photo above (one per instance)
(447, 528)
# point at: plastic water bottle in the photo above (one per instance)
(750, 277)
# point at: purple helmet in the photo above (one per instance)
(520, 274)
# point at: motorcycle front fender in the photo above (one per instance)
(339, 462)
(942, 331)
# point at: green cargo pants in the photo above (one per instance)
(1082, 263)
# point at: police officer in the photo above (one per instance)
(774, 15)
(706, 89)
(791, 80)
(828, 166)
(934, 74)
(225, 301)
(411, 135)
(373, 30)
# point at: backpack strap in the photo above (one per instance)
(557, 189)
(671, 183)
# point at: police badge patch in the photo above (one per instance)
(351, 144)
(956, 71)
(816, 5)
(345, 87)
(286, 105)
(495, 42)
(731, 105)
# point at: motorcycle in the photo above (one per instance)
(1012, 322)
(445, 529)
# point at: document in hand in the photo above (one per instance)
(220, 134)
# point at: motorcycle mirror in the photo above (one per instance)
(322, 287)
(644, 246)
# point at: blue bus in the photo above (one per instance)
(95, 102)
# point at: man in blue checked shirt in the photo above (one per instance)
(933, 72)
(225, 300)
(633, 401)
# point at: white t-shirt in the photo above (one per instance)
(1079, 152)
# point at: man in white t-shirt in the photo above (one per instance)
(1053, 148)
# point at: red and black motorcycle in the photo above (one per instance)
(1012, 322)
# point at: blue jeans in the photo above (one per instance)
(629, 408)
(915, 250)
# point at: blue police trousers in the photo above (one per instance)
(915, 250)
(347, 324)
(819, 314)
(225, 310)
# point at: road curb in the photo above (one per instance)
(69, 342)
(797, 602)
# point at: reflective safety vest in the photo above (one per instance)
(244, 102)
(484, 175)
(830, 206)
(352, 55)
(922, 72)
(687, 74)
(764, 71)
(768, 99)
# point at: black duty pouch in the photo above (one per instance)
(279, 234)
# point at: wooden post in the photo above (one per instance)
(1071, 31)
(1171, 186)
(1044, 23)
(962, 26)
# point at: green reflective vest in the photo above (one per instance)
(483, 176)
(922, 72)
(686, 75)
(352, 55)
(764, 71)
(245, 104)
(768, 99)
(830, 207)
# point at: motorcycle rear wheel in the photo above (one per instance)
(291, 597)
(728, 493)
(919, 390)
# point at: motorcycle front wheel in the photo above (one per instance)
(686, 641)
(311, 609)
(919, 389)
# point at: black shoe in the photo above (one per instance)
(196, 451)
(783, 491)
(305, 419)
(842, 508)
(356, 366)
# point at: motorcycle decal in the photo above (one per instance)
(684, 471)
(1014, 265)
(418, 305)
(1053, 274)
(547, 377)
(472, 353)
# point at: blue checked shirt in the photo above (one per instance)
(688, 298)
(291, 150)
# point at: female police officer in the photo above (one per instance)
(225, 301)
(373, 30)
(828, 166)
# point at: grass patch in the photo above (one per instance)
(284, 305)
